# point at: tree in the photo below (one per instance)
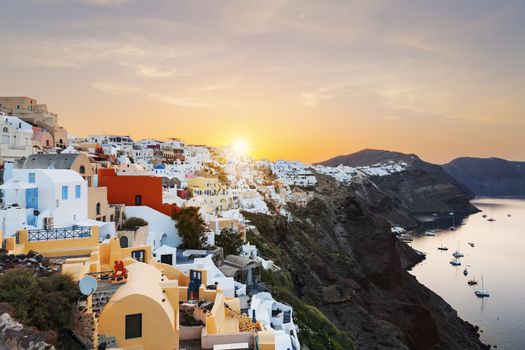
(230, 242)
(191, 227)
(134, 223)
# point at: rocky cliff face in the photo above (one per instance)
(489, 176)
(338, 254)
(422, 188)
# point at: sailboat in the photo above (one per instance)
(465, 271)
(455, 262)
(472, 282)
(484, 216)
(481, 292)
(491, 219)
(442, 247)
(458, 253)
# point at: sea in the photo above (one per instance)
(497, 257)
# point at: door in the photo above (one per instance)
(32, 198)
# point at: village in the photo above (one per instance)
(154, 229)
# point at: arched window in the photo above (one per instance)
(98, 208)
(5, 129)
(82, 169)
(47, 143)
(124, 242)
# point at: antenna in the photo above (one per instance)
(87, 285)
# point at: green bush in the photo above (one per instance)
(42, 302)
(134, 223)
(230, 242)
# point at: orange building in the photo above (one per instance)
(134, 190)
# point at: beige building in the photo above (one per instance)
(30, 111)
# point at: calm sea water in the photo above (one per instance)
(498, 255)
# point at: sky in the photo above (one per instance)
(305, 80)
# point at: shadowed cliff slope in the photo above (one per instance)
(339, 255)
(489, 176)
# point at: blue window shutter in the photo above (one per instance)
(77, 191)
(64, 192)
(31, 178)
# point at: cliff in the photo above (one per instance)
(339, 256)
(489, 176)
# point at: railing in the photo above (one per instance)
(17, 147)
(59, 233)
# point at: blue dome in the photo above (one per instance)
(160, 166)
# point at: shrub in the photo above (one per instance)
(230, 242)
(134, 223)
(191, 228)
(42, 302)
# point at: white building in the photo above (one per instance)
(42, 198)
(162, 230)
(277, 317)
(16, 141)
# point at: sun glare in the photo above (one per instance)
(240, 145)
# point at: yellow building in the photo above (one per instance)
(144, 311)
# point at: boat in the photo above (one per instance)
(441, 246)
(452, 228)
(429, 233)
(481, 292)
(472, 282)
(471, 244)
(458, 254)
(455, 262)
(509, 215)
(465, 271)
(491, 219)
(405, 237)
(484, 216)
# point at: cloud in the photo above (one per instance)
(115, 89)
(182, 101)
(151, 71)
(219, 85)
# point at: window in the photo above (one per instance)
(64, 192)
(138, 200)
(133, 326)
(166, 259)
(138, 255)
(5, 129)
(98, 209)
(31, 178)
(17, 106)
(82, 170)
(77, 191)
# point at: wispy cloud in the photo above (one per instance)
(225, 84)
(115, 89)
(182, 101)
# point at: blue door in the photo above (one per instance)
(32, 198)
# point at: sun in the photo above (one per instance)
(240, 145)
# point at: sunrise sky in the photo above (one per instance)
(303, 80)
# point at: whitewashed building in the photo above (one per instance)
(16, 139)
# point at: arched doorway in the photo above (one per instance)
(124, 242)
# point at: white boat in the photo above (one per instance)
(455, 262)
(481, 292)
(458, 254)
(429, 233)
(405, 237)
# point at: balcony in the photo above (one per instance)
(54, 234)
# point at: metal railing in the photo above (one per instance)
(59, 233)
